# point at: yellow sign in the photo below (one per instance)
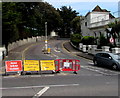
(31, 65)
(47, 65)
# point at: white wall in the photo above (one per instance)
(2, 52)
(84, 26)
(95, 23)
(98, 16)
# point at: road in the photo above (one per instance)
(90, 80)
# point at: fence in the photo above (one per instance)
(92, 49)
(32, 66)
(24, 41)
(13, 45)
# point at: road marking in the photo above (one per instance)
(99, 70)
(56, 50)
(15, 52)
(102, 69)
(27, 87)
(64, 47)
(41, 92)
(54, 55)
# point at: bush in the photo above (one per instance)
(76, 39)
(88, 40)
(103, 41)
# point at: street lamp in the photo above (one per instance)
(46, 36)
(109, 34)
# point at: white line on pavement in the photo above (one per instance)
(41, 92)
(99, 70)
(25, 87)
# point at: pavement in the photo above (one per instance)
(67, 45)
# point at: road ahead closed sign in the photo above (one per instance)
(47, 65)
(12, 66)
(31, 65)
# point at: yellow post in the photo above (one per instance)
(49, 50)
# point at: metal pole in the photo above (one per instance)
(46, 36)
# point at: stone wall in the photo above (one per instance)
(3, 51)
(24, 41)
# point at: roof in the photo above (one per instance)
(99, 9)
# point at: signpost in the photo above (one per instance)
(46, 36)
(111, 40)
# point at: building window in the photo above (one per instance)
(85, 23)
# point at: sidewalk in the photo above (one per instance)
(71, 49)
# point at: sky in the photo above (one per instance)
(84, 6)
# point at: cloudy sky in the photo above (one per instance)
(83, 6)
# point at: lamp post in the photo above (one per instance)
(46, 36)
(109, 34)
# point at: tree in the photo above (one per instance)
(26, 19)
(11, 18)
(76, 39)
(67, 15)
(115, 32)
(76, 26)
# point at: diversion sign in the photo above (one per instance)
(12, 66)
(31, 65)
(47, 65)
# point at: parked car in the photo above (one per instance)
(107, 59)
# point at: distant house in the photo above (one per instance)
(94, 22)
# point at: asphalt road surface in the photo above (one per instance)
(91, 81)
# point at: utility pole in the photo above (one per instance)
(46, 37)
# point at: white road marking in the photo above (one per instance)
(27, 87)
(56, 50)
(100, 70)
(55, 55)
(15, 52)
(41, 92)
(106, 70)
(91, 63)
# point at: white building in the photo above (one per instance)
(53, 34)
(93, 24)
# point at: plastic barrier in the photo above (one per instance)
(67, 65)
(31, 65)
(47, 65)
(13, 66)
(43, 65)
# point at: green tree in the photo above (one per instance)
(103, 41)
(76, 39)
(88, 40)
(67, 15)
(76, 26)
(27, 19)
(10, 20)
(115, 32)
